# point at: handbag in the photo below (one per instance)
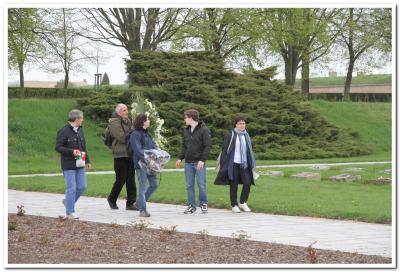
(218, 165)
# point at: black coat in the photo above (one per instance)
(222, 175)
(67, 140)
(196, 146)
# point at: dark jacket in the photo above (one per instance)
(119, 129)
(196, 146)
(227, 158)
(67, 140)
(140, 139)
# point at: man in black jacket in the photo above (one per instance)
(196, 145)
(74, 160)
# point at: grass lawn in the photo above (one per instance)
(277, 195)
(334, 81)
(33, 124)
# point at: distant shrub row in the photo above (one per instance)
(356, 97)
(16, 92)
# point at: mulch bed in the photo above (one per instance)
(45, 240)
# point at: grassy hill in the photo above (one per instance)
(334, 81)
(33, 124)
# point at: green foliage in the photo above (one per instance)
(281, 126)
(16, 92)
(105, 80)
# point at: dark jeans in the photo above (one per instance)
(243, 176)
(124, 174)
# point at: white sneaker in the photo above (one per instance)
(73, 216)
(244, 207)
(235, 209)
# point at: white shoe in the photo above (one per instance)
(244, 207)
(73, 216)
(235, 209)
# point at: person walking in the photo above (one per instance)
(119, 126)
(140, 140)
(196, 145)
(237, 164)
(71, 144)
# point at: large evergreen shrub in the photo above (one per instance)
(281, 125)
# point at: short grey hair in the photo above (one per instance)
(118, 107)
(74, 114)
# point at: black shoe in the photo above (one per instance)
(113, 205)
(132, 207)
(189, 210)
(204, 208)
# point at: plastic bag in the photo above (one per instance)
(160, 157)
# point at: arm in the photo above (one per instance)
(224, 150)
(60, 144)
(207, 145)
(116, 130)
(137, 145)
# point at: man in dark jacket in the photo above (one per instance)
(119, 126)
(71, 144)
(196, 145)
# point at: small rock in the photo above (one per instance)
(383, 180)
(345, 177)
(272, 173)
(354, 169)
(308, 175)
(319, 167)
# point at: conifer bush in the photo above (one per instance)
(281, 125)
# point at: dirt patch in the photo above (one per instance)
(45, 240)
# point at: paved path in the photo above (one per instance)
(349, 236)
(210, 168)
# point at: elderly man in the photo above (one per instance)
(120, 126)
(71, 144)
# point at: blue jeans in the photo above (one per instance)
(145, 191)
(190, 173)
(75, 182)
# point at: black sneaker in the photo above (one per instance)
(189, 210)
(113, 205)
(204, 208)
(132, 207)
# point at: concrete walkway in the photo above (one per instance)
(349, 236)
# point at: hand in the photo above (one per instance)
(76, 152)
(178, 164)
(88, 166)
(200, 165)
(151, 163)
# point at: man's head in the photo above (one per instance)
(191, 116)
(240, 122)
(122, 110)
(75, 117)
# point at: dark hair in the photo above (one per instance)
(194, 114)
(139, 120)
(239, 118)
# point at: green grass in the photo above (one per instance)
(33, 124)
(372, 121)
(277, 195)
(333, 81)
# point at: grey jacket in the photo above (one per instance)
(119, 129)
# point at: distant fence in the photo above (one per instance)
(359, 93)
(16, 92)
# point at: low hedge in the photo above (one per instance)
(16, 92)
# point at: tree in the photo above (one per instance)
(135, 29)
(365, 30)
(105, 80)
(66, 51)
(227, 32)
(300, 37)
(22, 41)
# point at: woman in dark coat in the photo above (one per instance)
(237, 163)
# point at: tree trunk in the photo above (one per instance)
(305, 75)
(349, 77)
(21, 75)
(66, 80)
(291, 59)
